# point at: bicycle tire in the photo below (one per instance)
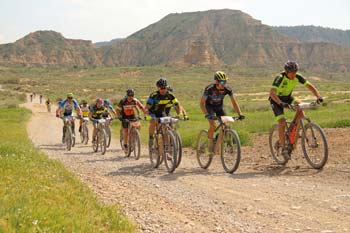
(68, 138)
(233, 144)
(178, 147)
(136, 144)
(154, 152)
(121, 138)
(204, 157)
(314, 128)
(275, 149)
(103, 141)
(86, 134)
(108, 135)
(170, 151)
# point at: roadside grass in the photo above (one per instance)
(40, 195)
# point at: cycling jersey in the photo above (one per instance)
(97, 113)
(68, 107)
(214, 96)
(110, 109)
(127, 108)
(161, 104)
(85, 110)
(285, 86)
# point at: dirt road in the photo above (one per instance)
(259, 197)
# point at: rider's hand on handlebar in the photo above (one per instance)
(57, 115)
(319, 100)
(241, 117)
(284, 105)
(148, 118)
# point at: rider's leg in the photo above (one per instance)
(151, 129)
(73, 127)
(80, 124)
(281, 131)
(63, 132)
(125, 126)
(94, 132)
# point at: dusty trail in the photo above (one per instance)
(259, 197)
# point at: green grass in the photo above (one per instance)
(40, 195)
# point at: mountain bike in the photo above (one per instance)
(133, 139)
(101, 137)
(84, 132)
(69, 137)
(163, 145)
(226, 141)
(313, 139)
(108, 131)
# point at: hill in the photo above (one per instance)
(49, 48)
(317, 34)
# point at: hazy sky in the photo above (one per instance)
(103, 20)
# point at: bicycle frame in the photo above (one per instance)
(224, 124)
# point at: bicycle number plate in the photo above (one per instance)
(165, 120)
(227, 119)
(86, 119)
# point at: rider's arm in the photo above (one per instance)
(274, 97)
(313, 89)
(202, 104)
(235, 105)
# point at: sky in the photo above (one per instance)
(104, 20)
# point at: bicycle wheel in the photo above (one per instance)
(154, 154)
(73, 137)
(96, 143)
(121, 138)
(68, 138)
(275, 148)
(314, 145)
(178, 147)
(86, 133)
(103, 140)
(108, 135)
(230, 151)
(204, 157)
(136, 143)
(170, 152)
(129, 143)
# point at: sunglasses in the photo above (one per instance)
(222, 82)
(162, 88)
(70, 98)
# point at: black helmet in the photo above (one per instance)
(130, 92)
(162, 82)
(291, 66)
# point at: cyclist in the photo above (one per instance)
(281, 97)
(98, 111)
(159, 104)
(66, 107)
(109, 107)
(85, 109)
(125, 110)
(212, 103)
(48, 104)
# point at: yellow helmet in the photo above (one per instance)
(70, 95)
(220, 76)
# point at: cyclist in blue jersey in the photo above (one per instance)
(212, 103)
(66, 108)
(281, 97)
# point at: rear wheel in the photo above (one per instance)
(230, 151)
(170, 152)
(204, 157)
(314, 145)
(154, 154)
(275, 147)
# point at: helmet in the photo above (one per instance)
(106, 102)
(291, 66)
(70, 95)
(130, 92)
(162, 82)
(84, 101)
(220, 76)
(99, 100)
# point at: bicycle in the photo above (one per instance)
(69, 137)
(163, 145)
(312, 139)
(101, 137)
(108, 131)
(133, 139)
(84, 132)
(226, 140)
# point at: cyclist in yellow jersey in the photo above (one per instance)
(85, 109)
(281, 97)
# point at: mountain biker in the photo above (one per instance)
(125, 110)
(66, 108)
(97, 112)
(85, 109)
(109, 107)
(281, 97)
(212, 105)
(159, 104)
(48, 104)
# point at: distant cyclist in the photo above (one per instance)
(110, 108)
(126, 110)
(97, 111)
(48, 104)
(159, 104)
(66, 108)
(281, 97)
(212, 103)
(85, 109)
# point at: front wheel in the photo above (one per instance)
(108, 135)
(68, 138)
(204, 157)
(102, 140)
(136, 143)
(314, 145)
(230, 151)
(275, 147)
(154, 154)
(170, 152)
(178, 147)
